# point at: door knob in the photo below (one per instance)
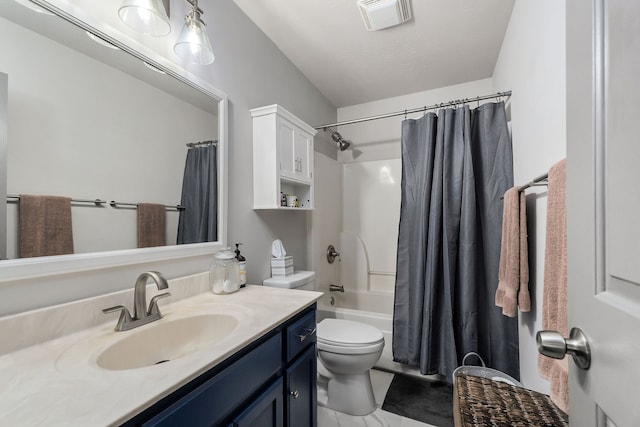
(552, 344)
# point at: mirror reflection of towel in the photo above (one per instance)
(45, 226)
(151, 225)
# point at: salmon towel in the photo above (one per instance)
(554, 304)
(513, 274)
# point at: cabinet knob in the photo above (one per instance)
(295, 394)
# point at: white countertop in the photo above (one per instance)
(57, 382)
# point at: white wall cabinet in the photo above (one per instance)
(282, 158)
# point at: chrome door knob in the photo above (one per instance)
(552, 344)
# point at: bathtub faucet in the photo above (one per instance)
(336, 288)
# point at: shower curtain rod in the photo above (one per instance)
(15, 199)
(451, 103)
(197, 144)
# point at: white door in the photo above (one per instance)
(603, 220)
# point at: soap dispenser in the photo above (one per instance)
(242, 263)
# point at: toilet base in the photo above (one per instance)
(350, 394)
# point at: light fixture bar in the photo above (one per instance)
(194, 3)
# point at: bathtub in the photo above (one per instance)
(372, 308)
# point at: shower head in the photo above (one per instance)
(343, 144)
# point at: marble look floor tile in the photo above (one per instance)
(380, 380)
(379, 418)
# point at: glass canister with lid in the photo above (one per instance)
(224, 272)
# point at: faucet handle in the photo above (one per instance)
(153, 304)
(125, 317)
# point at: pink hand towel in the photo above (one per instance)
(513, 274)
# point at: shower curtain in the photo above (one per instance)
(455, 168)
(198, 222)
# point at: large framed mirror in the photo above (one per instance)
(91, 118)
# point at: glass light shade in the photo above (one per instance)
(145, 16)
(193, 45)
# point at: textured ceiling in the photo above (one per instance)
(447, 42)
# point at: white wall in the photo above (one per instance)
(532, 65)
(86, 130)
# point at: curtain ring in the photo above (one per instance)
(405, 114)
(478, 100)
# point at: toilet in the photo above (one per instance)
(347, 350)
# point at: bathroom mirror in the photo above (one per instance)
(90, 121)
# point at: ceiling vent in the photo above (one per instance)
(380, 14)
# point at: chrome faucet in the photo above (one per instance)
(336, 288)
(141, 315)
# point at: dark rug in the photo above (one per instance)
(420, 399)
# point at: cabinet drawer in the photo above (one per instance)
(218, 397)
(300, 334)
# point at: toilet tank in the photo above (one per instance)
(298, 280)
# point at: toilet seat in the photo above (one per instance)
(348, 337)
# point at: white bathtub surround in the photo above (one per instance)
(371, 213)
(36, 377)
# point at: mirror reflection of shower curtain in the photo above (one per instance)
(455, 168)
(198, 222)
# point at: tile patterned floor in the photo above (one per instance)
(379, 418)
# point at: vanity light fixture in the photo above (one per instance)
(193, 44)
(146, 16)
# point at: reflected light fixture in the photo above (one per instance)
(146, 16)
(193, 44)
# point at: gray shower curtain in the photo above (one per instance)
(455, 168)
(198, 222)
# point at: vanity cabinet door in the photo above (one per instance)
(300, 391)
(265, 411)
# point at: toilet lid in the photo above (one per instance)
(348, 332)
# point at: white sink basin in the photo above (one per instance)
(165, 340)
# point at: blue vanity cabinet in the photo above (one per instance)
(301, 372)
(265, 411)
(301, 400)
(269, 383)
